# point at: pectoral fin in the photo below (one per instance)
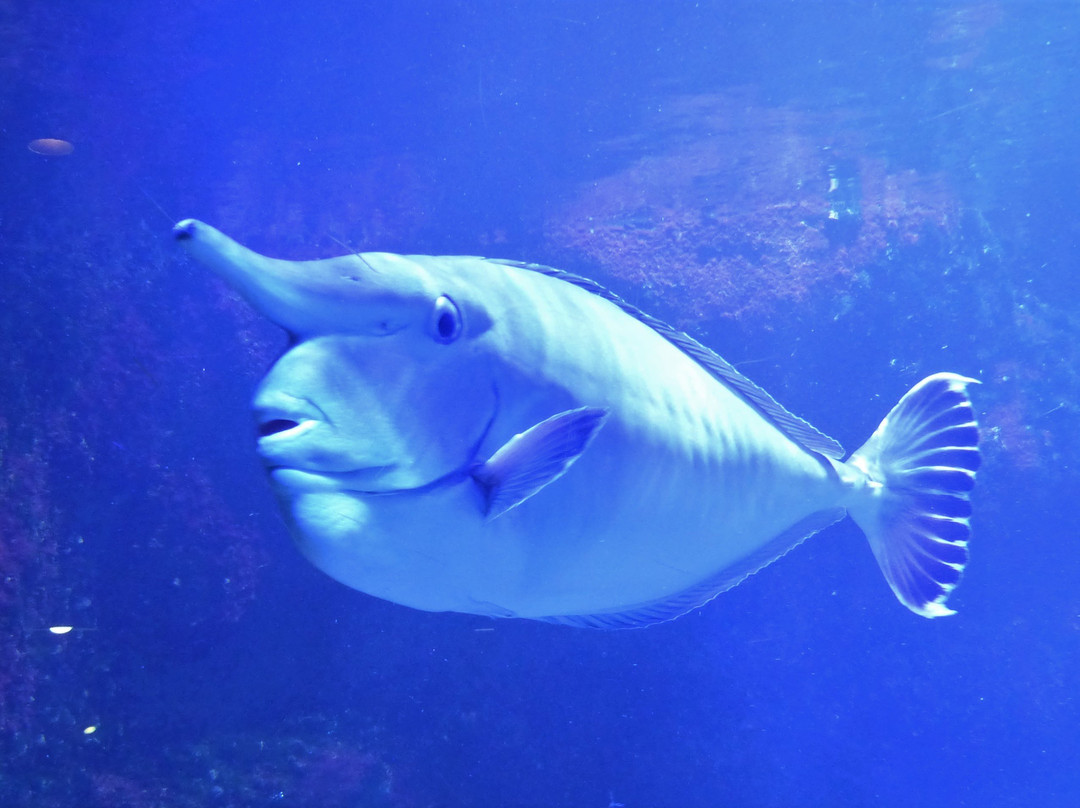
(536, 457)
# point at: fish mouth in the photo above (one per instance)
(281, 415)
(284, 427)
(363, 481)
(281, 420)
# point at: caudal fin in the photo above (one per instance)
(921, 465)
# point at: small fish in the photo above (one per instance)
(505, 439)
(51, 146)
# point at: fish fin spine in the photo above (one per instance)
(919, 469)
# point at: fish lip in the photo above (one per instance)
(301, 425)
(294, 478)
(337, 480)
(293, 407)
(303, 413)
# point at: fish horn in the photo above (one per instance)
(350, 293)
(267, 284)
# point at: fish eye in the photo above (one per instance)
(446, 320)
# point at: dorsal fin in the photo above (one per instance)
(791, 425)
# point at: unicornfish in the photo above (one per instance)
(498, 438)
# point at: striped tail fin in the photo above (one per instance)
(920, 464)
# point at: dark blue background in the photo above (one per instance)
(464, 124)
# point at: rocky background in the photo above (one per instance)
(833, 228)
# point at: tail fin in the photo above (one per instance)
(921, 465)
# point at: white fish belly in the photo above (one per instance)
(639, 518)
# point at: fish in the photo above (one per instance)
(51, 146)
(492, 437)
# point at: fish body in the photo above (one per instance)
(461, 434)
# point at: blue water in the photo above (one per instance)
(838, 197)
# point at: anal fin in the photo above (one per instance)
(678, 604)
